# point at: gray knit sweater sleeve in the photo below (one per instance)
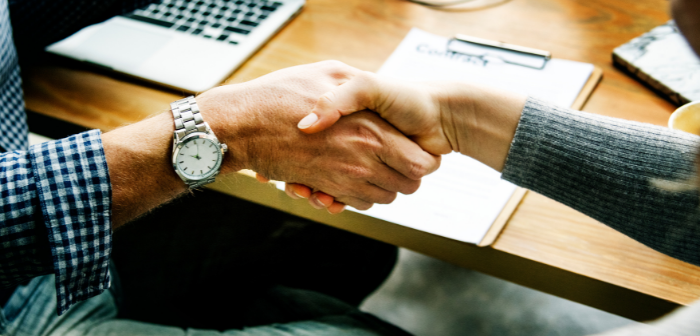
(603, 167)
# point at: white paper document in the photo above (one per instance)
(463, 198)
(422, 56)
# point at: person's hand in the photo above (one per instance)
(359, 161)
(410, 107)
(440, 116)
(414, 108)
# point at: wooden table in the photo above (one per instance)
(546, 245)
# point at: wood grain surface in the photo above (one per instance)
(542, 234)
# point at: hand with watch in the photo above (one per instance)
(359, 161)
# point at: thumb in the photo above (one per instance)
(355, 95)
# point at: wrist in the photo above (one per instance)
(226, 113)
(140, 167)
(480, 121)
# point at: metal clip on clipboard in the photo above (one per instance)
(508, 53)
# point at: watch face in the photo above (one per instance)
(198, 158)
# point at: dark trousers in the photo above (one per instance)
(218, 255)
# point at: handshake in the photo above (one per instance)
(287, 126)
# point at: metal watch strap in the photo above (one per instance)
(187, 117)
(188, 120)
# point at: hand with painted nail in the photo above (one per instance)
(318, 200)
(366, 91)
(359, 161)
(441, 117)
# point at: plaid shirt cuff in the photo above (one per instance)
(24, 247)
(75, 196)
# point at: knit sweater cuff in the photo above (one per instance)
(607, 168)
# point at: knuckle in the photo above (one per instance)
(368, 138)
(366, 77)
(334, 66)
(357, 172)
(417, 169)
(339, 70)
(328, 97)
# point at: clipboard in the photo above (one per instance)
(508, 53)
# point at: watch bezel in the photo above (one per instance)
(179, 143)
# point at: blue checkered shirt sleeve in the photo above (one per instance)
(60, 190)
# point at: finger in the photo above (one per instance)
(320, 200)
(371, 193)
(323, 198)
(406, 157)
(355, 202)
(299, 190)
(315, 203)
(290, 192)
(336, 208)
(389, 179)
(261, 179)
(357, 94)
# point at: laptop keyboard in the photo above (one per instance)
(227, 21)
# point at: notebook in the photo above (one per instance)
(191, 45)
(663, 60)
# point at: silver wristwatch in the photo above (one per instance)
(197, 153)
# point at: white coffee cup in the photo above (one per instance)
(686, 118)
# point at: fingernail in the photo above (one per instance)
(341, 210)
(316, 203)
(298, 194)
(308, 121)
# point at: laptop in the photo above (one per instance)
(191, 45)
